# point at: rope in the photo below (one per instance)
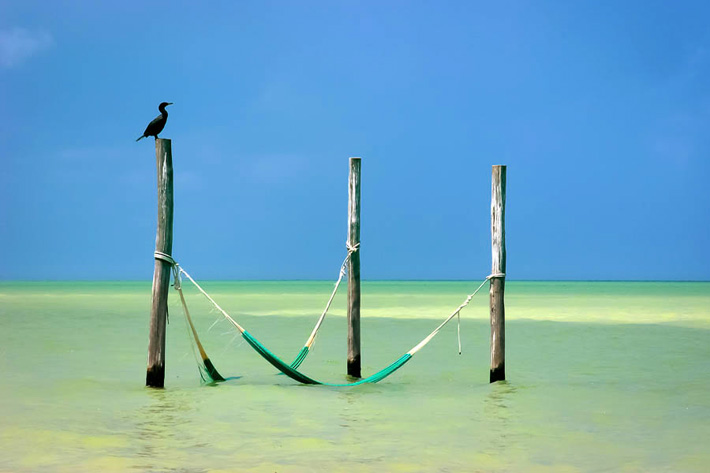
(448, 319)
(177, 270)
(302, 378)
(159, 255)
(292, 372)
(164, 257)
(415, 349)
(225, 314)
(192, 336)
(458, 312)
(351, 250)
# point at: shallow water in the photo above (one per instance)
(601, 377)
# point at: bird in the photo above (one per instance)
(158, 123)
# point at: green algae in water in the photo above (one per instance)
(602, 376)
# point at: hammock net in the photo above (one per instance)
(209, 373)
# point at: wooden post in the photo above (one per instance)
(497, 288)
(353, 367)
(155, 376)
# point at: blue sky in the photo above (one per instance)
(600, 110)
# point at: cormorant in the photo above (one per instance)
(158, 123)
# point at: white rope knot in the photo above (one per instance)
(164, 257)
(495, 275)
(352, 248)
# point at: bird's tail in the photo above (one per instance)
(140, 138)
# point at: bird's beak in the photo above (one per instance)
(169, 103)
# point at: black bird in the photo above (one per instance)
(158, 123)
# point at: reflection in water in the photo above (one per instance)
(351, 406)
(497, 415)
(499, 399)
(162, 440)
(361, 420)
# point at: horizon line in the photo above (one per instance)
(2, 280)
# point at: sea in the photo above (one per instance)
(600, 377)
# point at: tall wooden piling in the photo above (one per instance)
(497, 278)
(155, 376)
(353, 364)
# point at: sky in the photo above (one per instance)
(599, 109)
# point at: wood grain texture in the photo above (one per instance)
(155, 376)
(354, 354)
(497, 286)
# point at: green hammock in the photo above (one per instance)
(290, 370)
(209, 373)
(293, 373)
(300, 358)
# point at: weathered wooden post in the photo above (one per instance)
(353, 367)
(155, 376)
(497, 277)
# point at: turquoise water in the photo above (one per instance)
(601, 377)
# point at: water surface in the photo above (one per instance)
(601, 377)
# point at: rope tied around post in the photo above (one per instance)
(164, 257)
(453, 314)
(341, 274)
(208, 372)
(352, 248)
(159, 255)
(177, 276)
(468, 299)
